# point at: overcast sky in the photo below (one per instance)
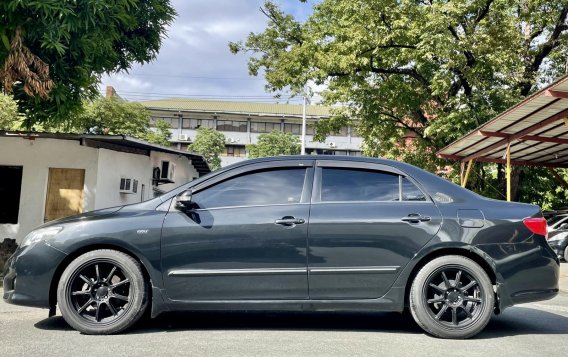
(195, 61)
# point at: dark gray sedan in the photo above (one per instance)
(293, 233)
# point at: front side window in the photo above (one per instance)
(283, 186)
(340, 185)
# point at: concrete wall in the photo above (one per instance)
(183, 173)
(36, 157)
(115, 165)
(103, 171)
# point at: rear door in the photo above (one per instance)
(366, 222)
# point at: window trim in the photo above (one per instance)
(260, 167)
(354, 165)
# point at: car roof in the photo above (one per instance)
(318, 157)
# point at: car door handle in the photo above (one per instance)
(415, 218)
(289, 221)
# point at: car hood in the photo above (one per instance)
(84, 216)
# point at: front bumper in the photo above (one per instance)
(558, 247)
(29, 273)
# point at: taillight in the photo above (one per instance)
(537, 226)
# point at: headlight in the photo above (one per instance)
(40, 234)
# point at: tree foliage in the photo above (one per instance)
(53, 52)
(210, 143)
(161, 135)
(111, 116)
(273, 144)
(432, 69)
(8, 112)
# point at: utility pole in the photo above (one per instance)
(303, 152)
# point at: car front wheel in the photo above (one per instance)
(452, 297)
(102, 292)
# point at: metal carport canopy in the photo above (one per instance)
(533, 132)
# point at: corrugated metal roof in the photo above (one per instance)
(235, 107)
(535, 129)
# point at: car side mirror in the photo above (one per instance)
(184, 199)
(563, 226)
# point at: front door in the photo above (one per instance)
(366, 222)
(245, 237)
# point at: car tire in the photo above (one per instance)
(452, 297)
(102, 292)
(566, 254)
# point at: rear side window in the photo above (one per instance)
(341, 185)
(282, 186)
(410, 192)
(358, 185)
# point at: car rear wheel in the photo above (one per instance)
(102, 292)
(452, 297)
(566, 254)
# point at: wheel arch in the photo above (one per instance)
(465, 252)
(88, 248)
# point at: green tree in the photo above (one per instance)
(273, 144)
(8, 112)
(161, 135)
(53, 53)
(210, 143)
(433, 69)
(110, 116)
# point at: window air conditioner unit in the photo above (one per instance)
(128, 185)
(183, 137)
(167, 171)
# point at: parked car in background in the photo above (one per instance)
(301, 233)
(555, 222)
(558, 241)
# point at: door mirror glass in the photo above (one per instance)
(184, 199)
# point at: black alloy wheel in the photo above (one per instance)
(452, 297)
(102, 292)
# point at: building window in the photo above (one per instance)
(293, 128)
(263, 127)
(197, 123)
(10, 188)
(343, 131)
(231, 125)
(237, 151)
(174, 122)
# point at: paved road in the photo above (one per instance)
(527, 330)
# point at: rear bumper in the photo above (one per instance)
(526, 272)
(28, 275)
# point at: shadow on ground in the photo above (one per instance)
(514, 321)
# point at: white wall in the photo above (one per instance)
(183, 173)
(103, 171)
(113, 166)
(36, 157)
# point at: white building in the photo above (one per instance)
(243, 122)
(45, 176)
